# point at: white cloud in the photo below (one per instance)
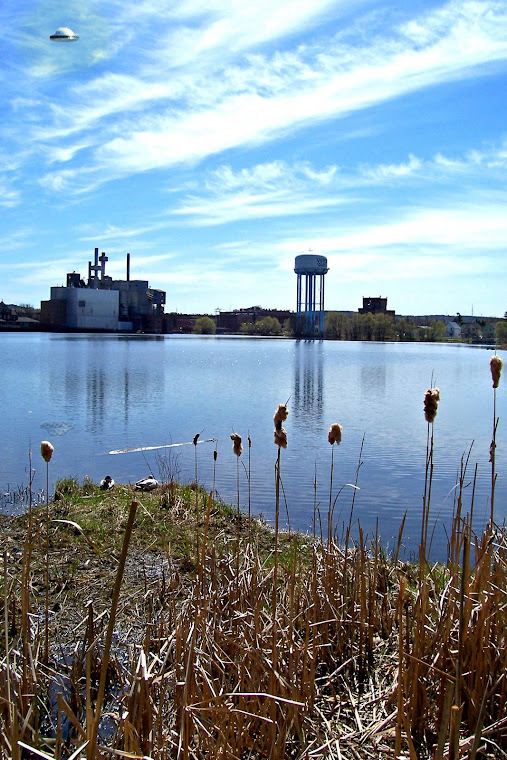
(111, 233)
(276, 189)
(8, 196)
(152, 119)
(384, 172)
(480, 226)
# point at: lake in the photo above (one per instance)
(91, 394)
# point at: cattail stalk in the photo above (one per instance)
(46, 450)
(496, 365)
(249, 475)
(197, 510)
(315, 501)
(280, 436)
(237, 448)
(431, 399)
(215, 456)
(334, 436)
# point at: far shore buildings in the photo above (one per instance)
(104, 304)
(100, 303)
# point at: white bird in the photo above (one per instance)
(146, 484)
(106, 483)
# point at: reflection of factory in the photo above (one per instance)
(102, 303)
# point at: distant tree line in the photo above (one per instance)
(265, 326)
(379, 327)
(205, 326)
(339, 326)
(501, 331)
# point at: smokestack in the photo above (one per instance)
(95, 268)
(128, 267)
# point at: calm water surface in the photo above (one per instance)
(89, 395)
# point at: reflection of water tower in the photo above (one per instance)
(310, 304)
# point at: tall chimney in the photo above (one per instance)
(128, 267)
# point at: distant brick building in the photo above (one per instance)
(376, 306)
(231, 321)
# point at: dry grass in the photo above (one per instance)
(350, 654)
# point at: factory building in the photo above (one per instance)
(102, 303)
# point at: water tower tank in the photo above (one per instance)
(310, 269)
(310, 263)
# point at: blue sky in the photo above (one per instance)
(215, 140)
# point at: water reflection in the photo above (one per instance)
(373, 379)
(95, 391)
(100, 393)
(308, 400)
(98, 380)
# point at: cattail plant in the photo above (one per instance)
(495, 365)
(431, 399)
(194, 441)
(237, 448)
(249, 474)
(215, 457)
(281, 415)
(422, 603)
(280, 435)
(46, 450)
(334, 436)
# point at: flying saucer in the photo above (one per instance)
(64, 34)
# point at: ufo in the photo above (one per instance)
(64, 34)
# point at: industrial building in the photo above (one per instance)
(104, 304)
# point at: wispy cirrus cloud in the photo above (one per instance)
(480, 225)
(260, 97)
(277, 189)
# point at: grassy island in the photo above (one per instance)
(167, 625)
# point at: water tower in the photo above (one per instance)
(310, 293)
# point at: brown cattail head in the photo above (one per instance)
(236, 444)
(431, 399)
(281, 415)
(496, 365)
(46, 451)
(335, 433)
(281, 437)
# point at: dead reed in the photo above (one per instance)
(220, 657)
